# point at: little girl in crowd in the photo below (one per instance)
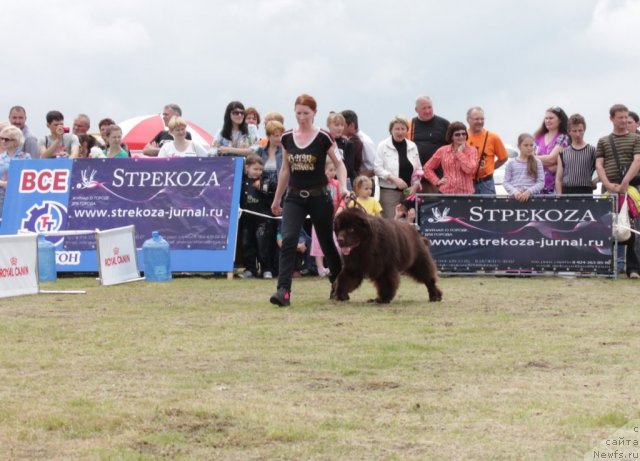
(524, 176)
(363, 189)
(334, 189)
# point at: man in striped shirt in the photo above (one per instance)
(618, 168)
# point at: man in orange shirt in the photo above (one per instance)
(491, 152)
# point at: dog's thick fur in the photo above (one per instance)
(381, 249)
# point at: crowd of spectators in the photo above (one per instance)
(425, 153)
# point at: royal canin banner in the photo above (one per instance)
(192, 202)
(117, 255)
(18, 265)
(472, 233)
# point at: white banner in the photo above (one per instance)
(117, 255)
(18, 265)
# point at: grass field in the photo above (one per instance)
(205, 368)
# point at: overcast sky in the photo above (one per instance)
(124, 58)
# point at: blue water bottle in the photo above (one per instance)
(46, 260)
(157, 262)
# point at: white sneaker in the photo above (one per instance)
(246, 275)
(267, 275)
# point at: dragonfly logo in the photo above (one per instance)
(439, 216)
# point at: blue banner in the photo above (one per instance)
(192, 202)
(472, 233)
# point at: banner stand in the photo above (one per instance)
(117, 255)
(118, 263)
(18, 265)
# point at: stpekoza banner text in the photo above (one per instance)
(192, 202)
(472, 233)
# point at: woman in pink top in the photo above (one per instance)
(459, 162)
(550, 139)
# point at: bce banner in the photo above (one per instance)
(192, 202)
(471, 233)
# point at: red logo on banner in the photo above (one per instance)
(116, 251)
(116, 260)
(44, 181)
(14, 270)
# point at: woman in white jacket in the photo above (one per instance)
(396, 160)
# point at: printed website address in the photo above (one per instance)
(512, 242)
(150, 213)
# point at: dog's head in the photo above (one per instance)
(352, 228)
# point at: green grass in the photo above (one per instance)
(205, 368)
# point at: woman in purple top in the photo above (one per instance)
(550, 139)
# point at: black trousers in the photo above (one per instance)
(258, 239)
(294, 212)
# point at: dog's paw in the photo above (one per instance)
(378, 301)
(336, 295)
(437, 296)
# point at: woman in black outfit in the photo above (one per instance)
(305, 150)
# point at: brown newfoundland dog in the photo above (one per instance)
(381, 249)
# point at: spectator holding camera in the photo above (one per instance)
(59, 142)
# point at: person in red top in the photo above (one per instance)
(459, 162)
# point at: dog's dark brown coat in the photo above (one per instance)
(381, 249)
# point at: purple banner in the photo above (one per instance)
(188, 200)
(471, 233)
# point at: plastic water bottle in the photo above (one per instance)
(157, 262)
(46, 260)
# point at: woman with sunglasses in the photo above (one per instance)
(236, 137)
(11, 140)
(550, 139)
(459, 162)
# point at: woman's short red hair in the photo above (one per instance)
(306, 100)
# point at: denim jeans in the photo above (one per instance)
(294, 212)
(487, 187)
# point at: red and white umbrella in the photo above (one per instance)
(138, 131)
